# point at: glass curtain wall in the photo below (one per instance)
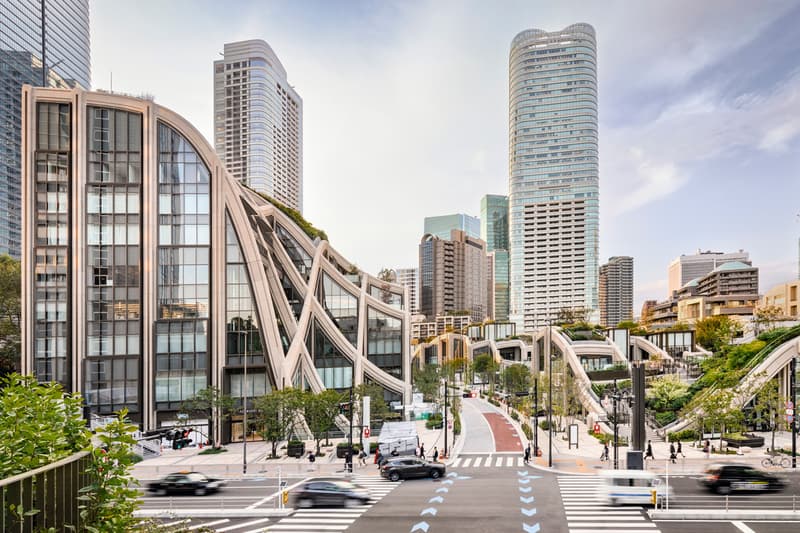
(341, 306)
(182, 362)
(385, 342)
(52, 186)
(113, 260)
(335, 370)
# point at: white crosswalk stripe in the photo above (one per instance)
(334, 520)
(587, 511)
(494, 460)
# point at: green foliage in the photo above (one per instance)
(456, 423)
(526, 429)
(297, 218)
(715, 332)
(378, 408)
(634, 327)
(10, 315)
(683, 435)
(109, 501)
(39, 424)
(276, 414)
(320, 412)
(668, 393)
(517, 378)
(771, 335)
(665, 417)
(435, 421)
(427, 381)
(213, 451)
(544, 424)
(210, 401)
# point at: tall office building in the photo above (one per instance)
(408, 277)
(616, 291)
(688, 267)
(452, 276)
(65, 53)
(553, 174)
(494, 230)
(441, 226)
(258, 122)
(156, 275)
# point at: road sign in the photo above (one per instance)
(366, 432)
(789, 411)
(596, 428)
(283, 484)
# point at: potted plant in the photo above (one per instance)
(295, 448)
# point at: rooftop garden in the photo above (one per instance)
(296, 217)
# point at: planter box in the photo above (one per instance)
(296, 450)
(751, 441)
(608, 375)
(341, 451)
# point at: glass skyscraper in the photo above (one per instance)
(66, 55)
(553, 174)
(441, 226)
(258, 122)
(494, 230)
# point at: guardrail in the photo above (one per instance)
(729, 502)
(52, 490)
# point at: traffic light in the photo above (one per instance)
(344, 408)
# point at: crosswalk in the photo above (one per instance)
(321, 520)
(329, 520)
(587, 512)
(488, 461)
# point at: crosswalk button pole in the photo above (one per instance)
(286, 497)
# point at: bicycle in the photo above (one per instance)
(782, 462)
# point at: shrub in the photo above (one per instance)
(373, 447)
(457, 424)
(544, 425)
(213, 451)
(514, 415)
(526, 429)
(435, 421)
(685, 434)
(665, 418)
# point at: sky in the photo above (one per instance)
(406, 113)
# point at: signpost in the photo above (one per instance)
(573, 435)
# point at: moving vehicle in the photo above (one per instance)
(469, 394)
(185, 483)
(410, 467)
(638, 487)
(727, 478)
(329, 493)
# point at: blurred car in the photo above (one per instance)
(639, 487)
(410, 467)
(469, 394)
(329, 493)
(727, 478)
(185, 483)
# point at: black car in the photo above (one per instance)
(185, 483)
(409, 467)
(329, 493)
(727, 478)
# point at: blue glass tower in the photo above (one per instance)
(553, 174)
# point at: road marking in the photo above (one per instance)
(209, 524)
(331, 521)
(623, 525)
(626, 530)
(176, 522)
(477, 462)
(304, 514)
(509, 461)
(456, 462)
(245, 524)
(498, 461)
(317, 527)
(742, 527)
(467, 462)
(274, 494)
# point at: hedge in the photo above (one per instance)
(685, 434)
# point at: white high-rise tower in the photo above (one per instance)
(258, 122)
(553, 175)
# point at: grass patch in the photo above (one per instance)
(213, 451)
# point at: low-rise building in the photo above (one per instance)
(785, 296)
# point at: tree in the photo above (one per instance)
(320, 411)
(10, 315)
(767, 316)
(664, 392)
(517, 378)
(387, 274)
(715, 332)
(378, 408)
(111, 498)
(39, 424)
(485, 365)
(770, 406)
(633, 327)
(716, 408)
(210, 402)
(427, 381)
(276, 415)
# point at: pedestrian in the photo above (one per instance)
(435, 454)
(649, 453)
(422, 451)
(348, 461)
(311, 457)
(707, 448)
(379, 460)
(604, 455)
(680, 450)
(672, 454)
(527, 454)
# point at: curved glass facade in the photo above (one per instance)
(553, 171)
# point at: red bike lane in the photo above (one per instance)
(505, 436)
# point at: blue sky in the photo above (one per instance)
(406, 113)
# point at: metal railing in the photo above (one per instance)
(770, 501)
(52, 491)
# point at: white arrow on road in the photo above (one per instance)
(463, 477)
(525, 473)
(452, 474)
(442, 489)
(533, 477)
(420, 526)
(436, 499)
(524, 481)
(529, 512)
(523, 499)
(525, 489)
(528, 529)
(429, 510)
(447, 482)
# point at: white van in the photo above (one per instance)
(621, 487)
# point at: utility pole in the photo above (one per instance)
(793, 396)
(535, 416)
(350, 434)
(445, 415)
(244, 405)
(615, 397)
(549, 396)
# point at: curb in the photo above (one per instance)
(211, 513)
(712, 514)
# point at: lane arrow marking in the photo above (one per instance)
(529, 529)
(525, 489)
(437, 499)
(525, 473)
(529, 512)
(533, 477)
(452, 474)
(447, 482)
(429, 510)
(524, 499)
(442, 489)
(524, 481)
(464, 477)
(421, 526)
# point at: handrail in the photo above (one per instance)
(46, 468)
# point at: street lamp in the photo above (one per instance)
(549, 355)
(244, 404)
(617, 396)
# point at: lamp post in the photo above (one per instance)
(535, 416)
(793, 397)
(616, 396)
(548, 352)
(350, 434)
(244, 407)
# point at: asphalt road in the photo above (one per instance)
(236, 494)
(690, 494)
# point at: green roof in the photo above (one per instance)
(732, 265)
